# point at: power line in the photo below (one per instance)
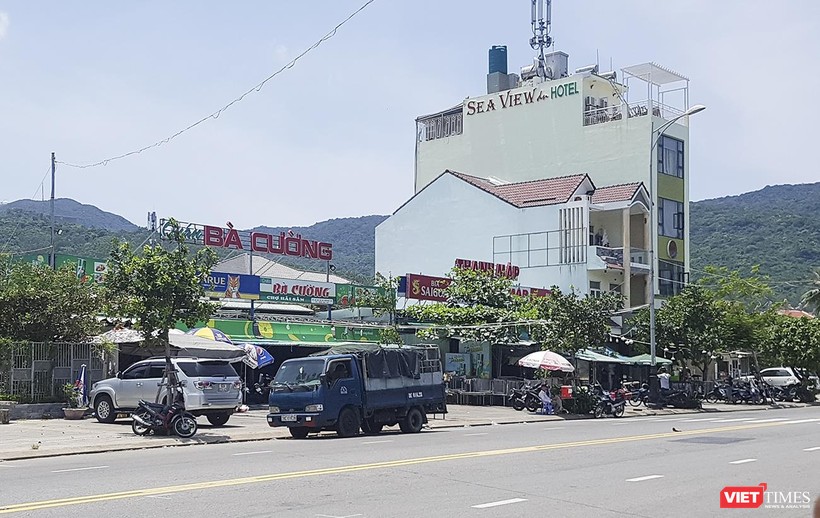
(217, 113)
(20, 223)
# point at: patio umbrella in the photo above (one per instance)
(547, 360)
(210, 333)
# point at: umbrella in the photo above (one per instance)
(210, 333)
(546, 360)
(255, 356)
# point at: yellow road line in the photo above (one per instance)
(62, 502)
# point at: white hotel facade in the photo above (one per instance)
(556, 176)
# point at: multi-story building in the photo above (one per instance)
(564, 124)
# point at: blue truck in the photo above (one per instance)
(361, 387)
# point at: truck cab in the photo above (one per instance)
(336, 391)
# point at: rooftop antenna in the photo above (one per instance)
(541, 21)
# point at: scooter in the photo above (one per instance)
(161, 418)
(609, 403)
(517, 398)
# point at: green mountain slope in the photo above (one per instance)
(67, 210)
(777, 227)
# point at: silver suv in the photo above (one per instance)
(209, 387)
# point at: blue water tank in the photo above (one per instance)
(498, 59)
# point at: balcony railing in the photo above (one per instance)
(638, 258)
(599, 115)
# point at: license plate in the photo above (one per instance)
(224, 387)
(289, 417)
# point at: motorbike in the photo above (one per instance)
(161, 418)
(517, 398)
(609, 403)
(639, 396)
(721, 392)
(787, 393)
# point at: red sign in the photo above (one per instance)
(281, 244)
(742, 497)
(502, 270)
(422, 287)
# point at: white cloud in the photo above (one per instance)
(4, 24)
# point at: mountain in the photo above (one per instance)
(776, 227)
(69, 211)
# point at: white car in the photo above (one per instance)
(781, 376)
(209, 387)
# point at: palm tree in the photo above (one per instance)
(812, 297)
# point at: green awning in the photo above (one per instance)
(645, 359)
(592, 356)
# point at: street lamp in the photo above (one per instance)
(653, 374)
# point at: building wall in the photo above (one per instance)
(451, 219)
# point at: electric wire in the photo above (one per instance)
(20, 223)
(219, 112)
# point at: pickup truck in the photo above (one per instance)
(368, 388)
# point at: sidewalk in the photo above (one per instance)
(24, 439)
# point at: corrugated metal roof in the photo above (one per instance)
(266, 268)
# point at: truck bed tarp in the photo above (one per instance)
(382, 362)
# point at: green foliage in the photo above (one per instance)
(752, 291)
(70, 396)
(794, 342)
(812, 297)
(583, 401)
(39, 304)
(478, 288)
(159, 287)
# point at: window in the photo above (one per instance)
(594, 288)
(670, 156)
(207, 369)
(671, 278)
(670, 218)
(615, 288)
(135, 373)
(338, 370)
(156, 370)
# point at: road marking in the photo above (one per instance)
(812, 449)
(553, 428)
(78, 469)
(743, 461)
(641, 479)
(378, 442)
(801, 421)
(474, 434)
(500, 502)
(773, 420)
(164, 497)
(736, 420)
(252, 453)
(213, 484)
(334, 516)
(701, 419)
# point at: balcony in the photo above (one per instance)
(602, 258)
(603, 114)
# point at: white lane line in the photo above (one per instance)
(801, 421)
(701, 419)
(772, 420)
(500, 502)
(735, 420)
(78, 469)
(816, 448)
(553, 428)
(743, 461)
(641, 479)
(378, 442)
(4, 465)
(252, 453)
(474, 434)
(164, 497)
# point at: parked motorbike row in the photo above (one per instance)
(751, 391)
(674, 398)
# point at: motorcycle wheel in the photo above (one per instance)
(533, 405)
(599, 411)
(711, 398)
(139, 428)
(619, 410)
(185, 426)
(518, 404)
(635, 401)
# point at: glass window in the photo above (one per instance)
(156, 370)
(594, 288)
(136, 372)
(670, 156)
(670, 218)
(671, 278)
(207, 369)
(339, 370)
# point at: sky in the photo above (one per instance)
(333, 136)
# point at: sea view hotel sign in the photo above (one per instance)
(283, 243)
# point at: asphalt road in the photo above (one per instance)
(601, 468)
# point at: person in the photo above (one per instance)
(546, 401)
(663, 378)
(557, 403)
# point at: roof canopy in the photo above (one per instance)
(654, 73)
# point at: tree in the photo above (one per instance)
(812, 297)
(383, 302)
(159, 288)
(40, 304)
(793, 342)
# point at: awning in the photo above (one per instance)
(592, 356)
(203, 348)
(645, 359)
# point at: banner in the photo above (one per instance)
(298, 291)
(479, 353)
(422, 287)
(457, 363)
(86, 268)
(249, 331)
(349, 294)
(232, 286)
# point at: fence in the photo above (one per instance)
(38, 371)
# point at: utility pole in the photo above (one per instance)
(52, 260)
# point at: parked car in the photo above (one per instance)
(210, 388)
(785, 376)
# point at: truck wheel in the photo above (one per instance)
(369, 427)
(218, 419)
(413, 422)
(298, 432)
(348, 424)
(104, 409)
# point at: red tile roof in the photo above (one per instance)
(613, 193)
(796, 313)
(534, 193)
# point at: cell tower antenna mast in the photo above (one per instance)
(541, 22)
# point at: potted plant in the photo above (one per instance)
(74, 409)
